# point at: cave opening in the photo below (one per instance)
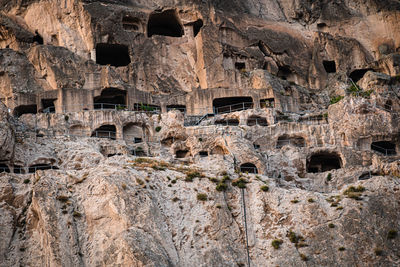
(130, 23)
(296, 141)
(48, 105)
(358, 74)
(180, 154)
(38, 38)
(166, 23)
(248, 168)
(203, 154)
(388, 105)
(227, 122)
(231, 104)
(385, 147)
(323, 161)
(329, 66)
(34, 168)
(197, 25)
(257, 120)
(116, 55)
(181, 108)
(284, 72)
(110, 98)
(105, 131)
(25, 109)
(4, 168)
(133, 132)
(240, 66)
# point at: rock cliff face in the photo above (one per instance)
(199, 133)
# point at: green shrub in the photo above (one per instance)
(218, 206)
(27, 181)
(331, 225)
(213, 179)
(158, 128)
(173, 181)
(354, 192)
(221, 187)
(175, 199)
(294, 238)
(139, 181)
(76, 214)
(264, 188)
(62, 198)
(66, 118)
(200, 139)
(336, 99)
(310, 200)
(329, 177)
(392, 234)
(190, 175)
(202, 197)
(342, 249)
(295, 201)
(276, 244)
(240, 182)
(225, 178)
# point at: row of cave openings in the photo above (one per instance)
(355, 75)
(113, 98)
(23, 170)
(165, 23)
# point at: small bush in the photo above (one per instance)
(143, 160)
(202, 197)
(354, 192)
(342, 249)
(240, 182)
(191, 175)
(123, 186)
(221, 187)
(173, 181)
(311, 200)
(294, 238)
(175, 199)
(213, 179)
(303, 257)
(276, 244)
(336, 99)
(225, 178)
(200, 139)
(392, 234)
(295, 201)
(139, 181)
(77, 214)
(264, 188)
(218, 206)
(27, 181)
(331, 225)
(329, 177)
(158, 128)
(66, 118)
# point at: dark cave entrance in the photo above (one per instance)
(110, 98)
(203, 154)
(385, 147)
(130, 23)
(180, 154)
(48, 105)
(181, 108)
(38, 38)
(231, 104)
(284, 72)
(166, 23)
(25, 109)
(197, 25)
(329, 66)
(358, 74)
(116, 55)
(257, 120)
(323, 161)
(4, 168)
(248, 168)
(34, 168)
(105, 131)
(296, 141)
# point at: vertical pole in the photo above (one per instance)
(245, 228)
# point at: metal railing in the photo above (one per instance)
(257, 122)
(105, 134)
(293, 142)
(233, 108)
(248, 169)
(384, 151)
